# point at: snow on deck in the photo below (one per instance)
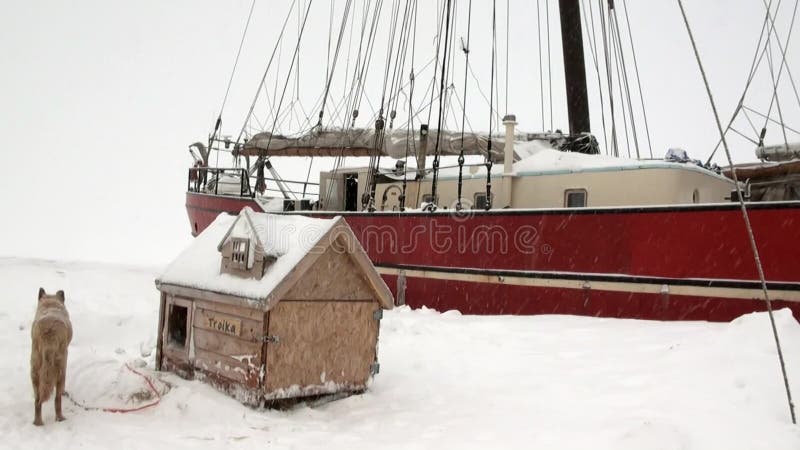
(291, 237)
(537, 159)
(446, 380)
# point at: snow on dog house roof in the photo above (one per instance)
(290, 242)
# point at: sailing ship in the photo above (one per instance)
(516, 222)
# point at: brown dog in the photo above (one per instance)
(51, 334)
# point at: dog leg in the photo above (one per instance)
(37, 420)
(62, 372)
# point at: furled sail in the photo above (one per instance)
(399, 144)
(362, 142)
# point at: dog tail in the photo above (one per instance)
(53, 353)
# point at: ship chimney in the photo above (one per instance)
(510, 121)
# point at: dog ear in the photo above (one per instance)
(60, 295)
(42, 293)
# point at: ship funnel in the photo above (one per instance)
(510, 122)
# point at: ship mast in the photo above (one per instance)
(574, 68)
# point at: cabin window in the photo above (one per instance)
(428, 198)
(239, 255)
(480, 200)
(176, 328)
(696, 196)
(575, 198)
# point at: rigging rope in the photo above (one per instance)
(620, 80)
(593, 49)
(488, 161)
(442, 93)
(549, 64)
(436, 67)
(357, 92)
(745, 216)
(266, 71)
(757, 57)
(380, 123)
(638, 80)
(746, 108)
(780, 70)
(289, 73)
(624, 78)
(329, 71)
(775, 93)
(541, 79)
(508, 26)
(601, 15)
(218, 123)
(783, 50)
(348, 95)
(236, 61)
(410, 114)
(465, 48)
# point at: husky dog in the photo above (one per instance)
(51, 334)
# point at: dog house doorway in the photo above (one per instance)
(178, 321)
(177, 325)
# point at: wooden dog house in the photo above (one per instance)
(270, 307)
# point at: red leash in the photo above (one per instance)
(125, 410)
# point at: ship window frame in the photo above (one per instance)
(476, 204)
(696, 196)
(427, 197)
(573, 191)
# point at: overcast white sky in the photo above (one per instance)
(100, 99)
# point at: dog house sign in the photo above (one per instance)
(221, 323)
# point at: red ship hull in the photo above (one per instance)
(689, 262)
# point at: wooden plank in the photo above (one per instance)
(332, 300)
(320, 342)
(225, 362)
(210, 296)
(248, 396)
(248, 330)
(159, 335)
(225, 308)
(225, 345)
(180, 368)
(177, 354)
(227, 367)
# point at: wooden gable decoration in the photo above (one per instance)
(242, 252)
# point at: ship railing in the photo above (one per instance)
(212, 180)
(208, 180)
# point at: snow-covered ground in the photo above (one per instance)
(446, 381)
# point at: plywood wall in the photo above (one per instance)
(334, 276)
(320, 343)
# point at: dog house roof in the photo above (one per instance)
(288, 237)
